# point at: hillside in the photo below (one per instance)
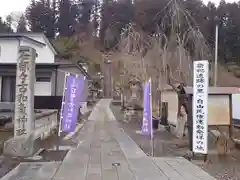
(226, 78)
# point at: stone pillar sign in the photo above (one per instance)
(24, 105)
(23, 142)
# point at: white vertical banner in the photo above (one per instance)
(200, 107)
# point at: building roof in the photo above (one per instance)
(14, 64)
(167, 87)
(20, 37)
(77, 65)
(27, 37)
(49, 65)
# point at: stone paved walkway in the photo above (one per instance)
(98, 149)
(103, 144)
(106, 152)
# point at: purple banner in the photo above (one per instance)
(147, 115)
(72, 99)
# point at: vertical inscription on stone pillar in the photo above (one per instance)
(24, 104)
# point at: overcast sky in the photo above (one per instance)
(8, 6)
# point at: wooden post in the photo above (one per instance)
(190, 122)
(230, 111)
(164, 115)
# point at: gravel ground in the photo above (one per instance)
(165, 144)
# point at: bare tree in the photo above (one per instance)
(166, 59)
(14, 18)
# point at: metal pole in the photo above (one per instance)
(104, 76)
(216, 57)
(63, 97)
(151, 140)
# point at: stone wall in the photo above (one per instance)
(48, 123)
(25, 145)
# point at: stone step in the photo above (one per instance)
(36, 171)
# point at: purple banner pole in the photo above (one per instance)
(147, 111)
(61, 112)
(73, 93)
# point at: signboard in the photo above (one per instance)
(72, 98)
(219, 110)
(24, 103)
(147, 112)
(200, 107)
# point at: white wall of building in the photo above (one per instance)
(235, 106)
(43, 89)
(9, 50)
(45, 55)
(48, 55)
